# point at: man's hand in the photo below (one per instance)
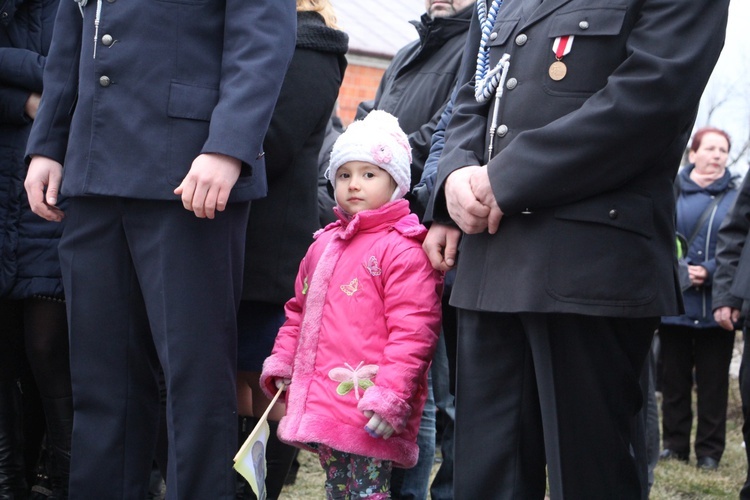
(206, 187)
(32, 105)
(42, 187)
(463, 206)
(441, 246)
(482, 189)
(727, 317)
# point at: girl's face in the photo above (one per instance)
(362, 186)
(712, 154)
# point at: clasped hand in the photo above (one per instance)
(472, 206)
(470, 200)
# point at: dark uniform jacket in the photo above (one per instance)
(583, 167)
(419, 80)
(158, 89)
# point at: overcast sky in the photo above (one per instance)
(731, 81)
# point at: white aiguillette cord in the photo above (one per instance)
(488, 81)
(81, 5)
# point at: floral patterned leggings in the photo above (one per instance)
(350, 476)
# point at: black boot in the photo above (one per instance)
(42, 487)
(59, 415)
(279, 458)
(12, 480)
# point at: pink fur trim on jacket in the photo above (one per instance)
(366, 311)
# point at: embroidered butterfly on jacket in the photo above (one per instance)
(353, 378)
(372, 266)
(351, 287)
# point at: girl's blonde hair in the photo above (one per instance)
(322, 7)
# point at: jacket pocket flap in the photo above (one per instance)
(624, 210)
(588, 22)
(503, 29)
(192, 102)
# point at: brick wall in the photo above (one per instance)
(360, 84)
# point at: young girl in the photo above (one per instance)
(363, 324)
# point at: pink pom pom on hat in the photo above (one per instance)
(379, 140)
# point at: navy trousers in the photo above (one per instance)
(559, 391)
(147, 283)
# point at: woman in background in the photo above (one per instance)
(694, 341)
(32, 307)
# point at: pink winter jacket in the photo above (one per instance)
(359, 335)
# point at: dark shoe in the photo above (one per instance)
(668, 454)
(707, 463)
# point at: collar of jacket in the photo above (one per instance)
(395, 214)
(727, 181)
(434, 32)
(312, 33)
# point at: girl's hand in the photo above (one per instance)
(282, 383)
(377, 426)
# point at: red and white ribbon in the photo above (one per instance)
(562, 46)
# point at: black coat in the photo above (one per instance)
(583, 167)
(282, 224)
(732, 276)
(419, 81)
(28, 244)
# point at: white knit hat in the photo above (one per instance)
(378, 140)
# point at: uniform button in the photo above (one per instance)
(521, 39)
(107, 40)
(502, 130)
(613, 214)
(695, 321)
(493, 36)
(104, 81)
(700, 252)
(584, 25)
(511, 83)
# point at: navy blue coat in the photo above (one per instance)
(691, 203)
(28, 244)
(157, 89)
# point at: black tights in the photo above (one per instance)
(41, 325)
(46, 334)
